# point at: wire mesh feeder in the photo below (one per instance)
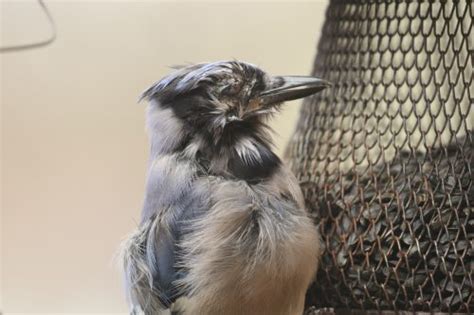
(386, 157)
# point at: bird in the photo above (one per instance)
(224, 228)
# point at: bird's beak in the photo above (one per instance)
(287, 88)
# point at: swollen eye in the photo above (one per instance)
(232, 88)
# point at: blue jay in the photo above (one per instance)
(224, 228)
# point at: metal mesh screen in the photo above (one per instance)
(385, 157)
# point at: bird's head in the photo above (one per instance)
(222, 100)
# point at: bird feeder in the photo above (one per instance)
(385, 158)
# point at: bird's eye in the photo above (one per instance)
(229, 90)
(232, 89)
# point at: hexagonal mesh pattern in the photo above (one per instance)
(386, 156)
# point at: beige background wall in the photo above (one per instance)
(73, 141)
